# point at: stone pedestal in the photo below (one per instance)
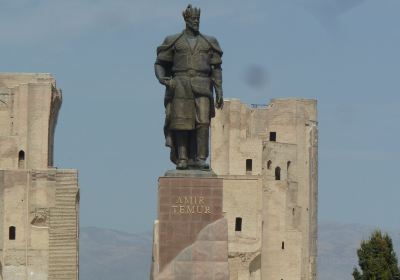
(191, 240)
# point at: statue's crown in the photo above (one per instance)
(190, 11)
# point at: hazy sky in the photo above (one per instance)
(345, 53)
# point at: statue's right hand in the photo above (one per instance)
(169, 83)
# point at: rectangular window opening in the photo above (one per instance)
(283, 245)
(238, 224)
(11, 233)
(249, 165)
(272, 136)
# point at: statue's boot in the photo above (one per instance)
(182, 145)
(202, 139)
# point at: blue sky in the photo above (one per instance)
(345, 53)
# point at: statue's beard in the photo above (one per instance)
(193, 27)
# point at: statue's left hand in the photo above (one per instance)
(219, 103)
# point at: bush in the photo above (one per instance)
(377, 259)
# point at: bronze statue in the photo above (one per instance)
(189, 65)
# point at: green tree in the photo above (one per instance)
(377, 259)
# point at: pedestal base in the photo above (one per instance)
(191, 240)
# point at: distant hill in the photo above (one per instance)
(112, 255)
(108, 254)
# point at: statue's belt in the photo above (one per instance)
(191, 73)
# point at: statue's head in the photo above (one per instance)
(192, 18)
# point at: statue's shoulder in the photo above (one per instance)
(169, 41)
(213, 43)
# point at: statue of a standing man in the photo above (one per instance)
(189, 65)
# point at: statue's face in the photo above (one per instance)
(193, 23)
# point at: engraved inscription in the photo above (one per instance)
(187, 205)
